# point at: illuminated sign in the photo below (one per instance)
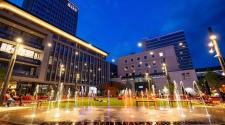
(72, 6)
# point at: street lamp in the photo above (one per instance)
(113, 60)
(214, 46)
(139, 44)
(164, 68)
(10, 68)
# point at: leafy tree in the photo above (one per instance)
(213, 79)
(170, 85)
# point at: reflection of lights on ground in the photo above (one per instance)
(67, 111)
(132, 116)
(57, 115)
(161, 108)
(208, 115)
(183, 115)
(33, 115)
(170, 110)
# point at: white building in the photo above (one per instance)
(150, 62)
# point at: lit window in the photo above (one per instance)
(161, 54)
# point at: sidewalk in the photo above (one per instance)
(4, 109)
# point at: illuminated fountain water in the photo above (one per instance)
(125, 98)
(185, 96)
(68, 101)
(35, 106)
(195, 85)
(59, 95)
(108, 98)
(160, 101)
(82, 95)
(75, 99)
(50, 100)
(178, 100)
(130, 97)
(153, 90)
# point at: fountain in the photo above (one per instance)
(185, 96)
(201, 98)
(108, 98)
(35, 106)
(178, 100)
(75, 99)
(59, 95)
(51, 97)
(68, 100)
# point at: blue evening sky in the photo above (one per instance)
(116, 26)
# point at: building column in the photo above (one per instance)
(45, 57)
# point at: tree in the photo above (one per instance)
(170, 85)
(213, 79)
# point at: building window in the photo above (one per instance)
(138, 58)
(125, 61)
(146, 64)
(161, 54)
(131, 60)
(155, 71)
(154, 63)
(132, 66)
(145, 57)
(127, 74)
(139, 65)
(153, 56)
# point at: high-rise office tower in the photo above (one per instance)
(61, 13)
(177, 39)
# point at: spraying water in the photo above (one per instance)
(68, 100)
(108, 98)
(201, 98)
(178, 100)
(59, 95)
(184, 95)
(35, 95)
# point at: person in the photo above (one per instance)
(9, 99)
(221, 94)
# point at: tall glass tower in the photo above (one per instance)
(61, 13)
(177, 39)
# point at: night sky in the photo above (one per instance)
(116, 26)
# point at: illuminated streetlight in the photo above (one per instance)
(210, 44)
(211, 51)
(213, 37)
(139, 44)
(113, 60)
(151, 53)
(164, 67)
(214, 46)
(49, 45)
(10, 68)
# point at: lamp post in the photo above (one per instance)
(214, 45)
(10, 69)
(164, 68)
